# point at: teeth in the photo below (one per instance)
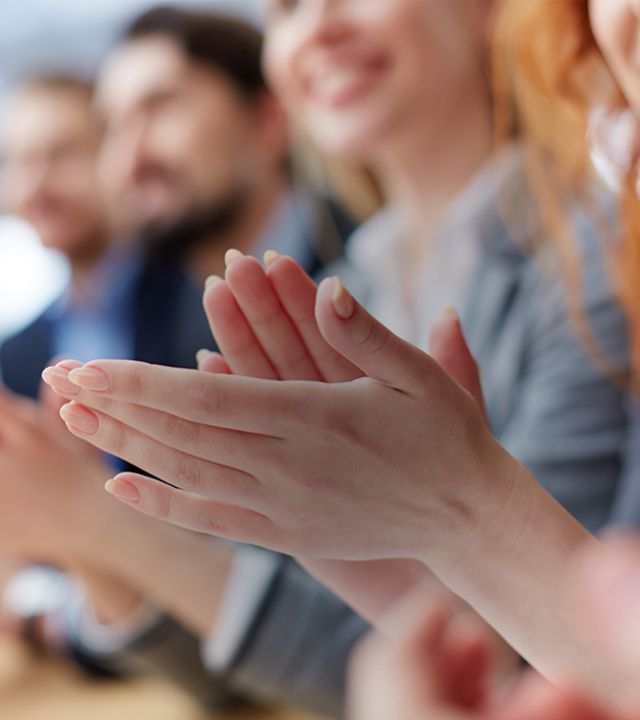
(336, 82)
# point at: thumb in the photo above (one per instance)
(366, 342)
(212, 362)
(449, 348)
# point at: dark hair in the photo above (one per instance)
(231, 46)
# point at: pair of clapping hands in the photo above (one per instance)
(435, 664)
(332, 463)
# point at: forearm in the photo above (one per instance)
(182, 573)
(516, 572)
(371, 588)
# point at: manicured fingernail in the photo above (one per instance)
(90, 378)
(80, 418)
(211, 281)
(58, 379)
(342, 301)
(270, 256)
(202, 355)
(231, 256)
(123, 490)
(451, 312)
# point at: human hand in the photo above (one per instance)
(276, 470)
(432, 665)
(45, 477)
(264, 324)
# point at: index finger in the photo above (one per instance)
(266, 407)
(297, 294)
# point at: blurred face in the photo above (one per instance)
(49, 177)
(357, 72)
(616, 26)
(181, 141)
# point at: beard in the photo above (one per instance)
(169, 242)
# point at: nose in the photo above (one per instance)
(126, 150)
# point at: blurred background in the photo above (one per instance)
(56, 35)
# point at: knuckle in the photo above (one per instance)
(184, 433)
(136, 383)
(207, 400)
(216, 525)
(162, 505)
(186, 474)
(372, 338)
(115, 436)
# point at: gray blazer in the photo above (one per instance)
(547, 402)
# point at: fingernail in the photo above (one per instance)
(270, 257)
(202, 355)
(451, 312)
(58, 379)
(80, 418)
(231, 256)
(342, 301)
(123, 490)
(211, 281)
(90, 378)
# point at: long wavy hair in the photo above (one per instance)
(549, 78)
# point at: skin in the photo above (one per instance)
(238, 473)
(434, 667)
(274, 469)
(50, 142)
(180, 140)
(486, 555)
(147, 90)
(616, 26)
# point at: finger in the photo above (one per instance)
(367, 343)
(608, 596)
(466, 664)
(270, 323)
(227, 401)
(448, 347)
(233, 334)
(195, 513)
(212, 362)
(536, 699)
(50, 401)
(297, 294)
(164, 445)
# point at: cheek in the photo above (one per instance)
(280, 67)
(615, 28)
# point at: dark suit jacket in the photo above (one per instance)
(169, 327)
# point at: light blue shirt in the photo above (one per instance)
(97, 321)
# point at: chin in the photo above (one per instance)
(352, 139)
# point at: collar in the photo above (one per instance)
(480, 212)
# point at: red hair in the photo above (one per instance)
(549, 76)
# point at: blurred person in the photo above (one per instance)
(511, 546)
(196, 78)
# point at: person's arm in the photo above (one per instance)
(432, 666)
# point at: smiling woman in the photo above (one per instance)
(30, 276)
